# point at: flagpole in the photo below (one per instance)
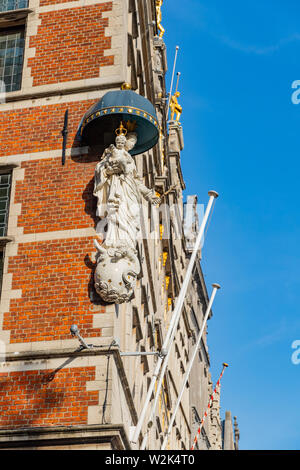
(211, 399)
(172, 79)
(190, 365)
(174, 320)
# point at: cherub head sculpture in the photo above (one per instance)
(131, 140)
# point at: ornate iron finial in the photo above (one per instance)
(126, 86)
(64, 133)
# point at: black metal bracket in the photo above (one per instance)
(64, 133)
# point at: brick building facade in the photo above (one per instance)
(59, 55)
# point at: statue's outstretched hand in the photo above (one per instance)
(155, 200)
(114, 168)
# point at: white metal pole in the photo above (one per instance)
(165, 363)
(190, 365)
(159, 385)
(173, 73)
(178, 77)
(175, 318)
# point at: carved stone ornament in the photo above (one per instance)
(119, 193)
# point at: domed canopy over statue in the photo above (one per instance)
(125, 123)
(99, 123)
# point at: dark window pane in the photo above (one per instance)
(3, 192)
(5, 180)
(6, 5)
(11, 57)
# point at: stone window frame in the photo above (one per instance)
(9, 20)
(7, 168)
(15, 54)
(2, 256)
(5, 239)
(5, 199)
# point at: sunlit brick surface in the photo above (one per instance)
(56, 197)
(38, 129)
(36, 398)
(54, 277)
(70, 45)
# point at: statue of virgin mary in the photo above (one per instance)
(119, 193)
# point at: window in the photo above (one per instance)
(5, 183)
(194, 321)
(136, 324)
(2, 255)
(11, 57)
(7, 5)
(144, 361)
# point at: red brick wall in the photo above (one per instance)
(55, 197)
(54, 277)
(70, 45)
(38, 129)
(31, 398)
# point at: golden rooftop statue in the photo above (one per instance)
(175, 107)
(159, 18)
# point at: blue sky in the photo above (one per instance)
(238, 61)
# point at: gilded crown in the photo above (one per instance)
(121, 130)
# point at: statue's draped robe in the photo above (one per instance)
(119, 199)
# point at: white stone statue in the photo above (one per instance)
(119, 193)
